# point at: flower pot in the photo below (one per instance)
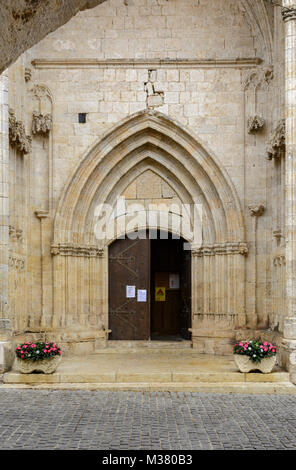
(47, 365)
(245, 364)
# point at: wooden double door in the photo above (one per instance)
(149, 288)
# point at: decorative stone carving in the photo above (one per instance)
(276, 144)
(88, 251)
(41, 123)
(17, 135)
(278, 234)
(259, 78)
(256, 210)
(289, 13)
(16, 262)
(255, 123)
(230, 248)
(155, 97)
(15, 233)
(28, 74)
(279, 260)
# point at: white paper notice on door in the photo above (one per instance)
(130, 291)
(142, 295)
(174, 281)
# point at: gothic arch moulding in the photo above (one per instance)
(149, 141)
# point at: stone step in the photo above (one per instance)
(282, 388)
(136, 346)
(146, 377)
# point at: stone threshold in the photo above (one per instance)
(139, 346)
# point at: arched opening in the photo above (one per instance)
(149, 287)
(152, 146)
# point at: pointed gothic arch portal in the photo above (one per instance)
(150, 142)
(149, 287)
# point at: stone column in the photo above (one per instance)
(5, 327)
(289, 330)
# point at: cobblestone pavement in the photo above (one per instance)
(34, 419)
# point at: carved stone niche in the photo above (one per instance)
(277, 141)
(17, 135)
(255, 123)
(41, 123)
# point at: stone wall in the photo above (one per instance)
(208, 71)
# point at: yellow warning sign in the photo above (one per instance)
(160, 294)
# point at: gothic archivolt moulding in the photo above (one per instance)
(17, 135)
(277, 140)
(87, 251)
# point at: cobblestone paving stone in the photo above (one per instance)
(34, 419)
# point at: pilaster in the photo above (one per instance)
(289, 333)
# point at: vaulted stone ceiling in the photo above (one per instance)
(26, 22)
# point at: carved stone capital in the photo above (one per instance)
(277, 141)
(255, 210)
(229, 248)
(17, 135)
(41, 123)
(289, 13)
(255, 123)
(69, 249)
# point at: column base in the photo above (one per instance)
(289, 347)
(6, 356)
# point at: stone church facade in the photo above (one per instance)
(167, 102)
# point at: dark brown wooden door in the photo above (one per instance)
(129, 265)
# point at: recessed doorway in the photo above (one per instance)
(149, 288)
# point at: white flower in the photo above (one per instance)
(37, 352)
